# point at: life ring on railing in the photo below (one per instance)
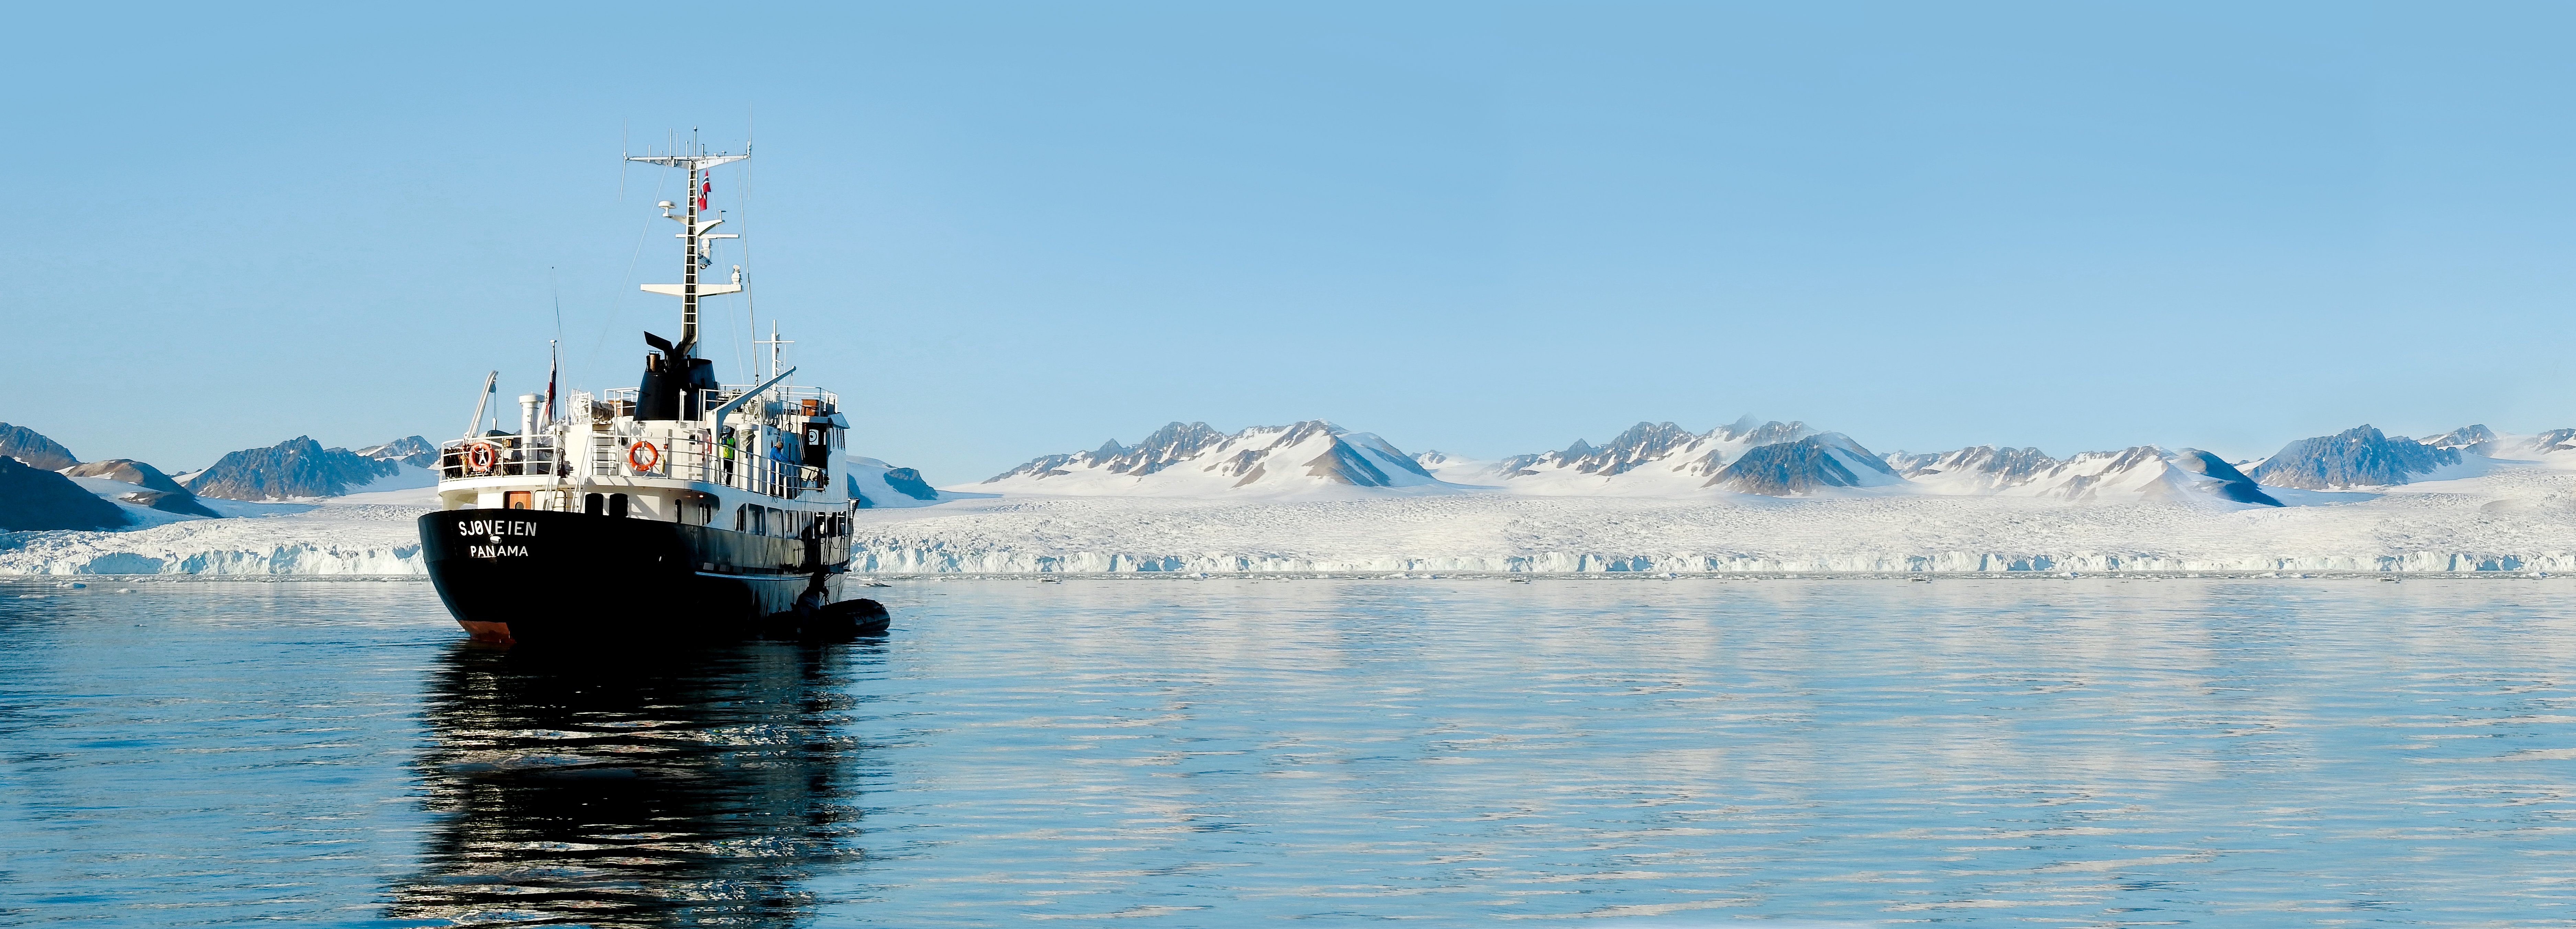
(481, 457)
(643, 456)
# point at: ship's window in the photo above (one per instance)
(593, 504)
(517, 499)
(759, 520)
(616, 504)
(741, 517)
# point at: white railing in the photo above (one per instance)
(682, 450)
(787, 393)
(501, 456)
(783, 400)
(693, 455)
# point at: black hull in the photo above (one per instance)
(540, 575)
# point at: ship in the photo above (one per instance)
(681, 507)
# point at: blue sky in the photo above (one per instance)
(1012, 229)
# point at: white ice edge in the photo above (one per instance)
(2512, 517)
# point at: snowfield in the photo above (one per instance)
(2501, 515)
(2516, 519)
(369, 533)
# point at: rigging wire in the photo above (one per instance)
(555, 283)
(750, 295)
(610, 325)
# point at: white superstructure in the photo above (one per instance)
(762, 458)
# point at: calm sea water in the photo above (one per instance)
(1212, 753)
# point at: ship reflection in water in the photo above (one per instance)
(698, 788)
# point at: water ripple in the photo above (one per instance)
(2088, 753)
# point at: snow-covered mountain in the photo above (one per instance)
(34, 449)
(2503, 446)
(2143, 472)
(1295, 499)
(2555, 440)
(1192, 459)
(1803, 467)
(411, 450)
(877, 485)
(2362, 457)
(2465, 438)
(1649, 459)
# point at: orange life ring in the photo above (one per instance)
(643, 456)
(480, 457)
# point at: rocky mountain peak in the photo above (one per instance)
(297, 467)
(1797, 468)
(33, 448)
(2555, 440)
(2357, 457)
(411, 450)
(1682, 452)
(1746, 433)
(1270, 458)
(2466, 438)
(2007, 464)
(1642, 443)
(1174, 442)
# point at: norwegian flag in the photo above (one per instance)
(554, 363)
(705, 187)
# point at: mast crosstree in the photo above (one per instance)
(694, 233)
(674, 379)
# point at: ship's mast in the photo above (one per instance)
(694, 236)
(775, 343)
